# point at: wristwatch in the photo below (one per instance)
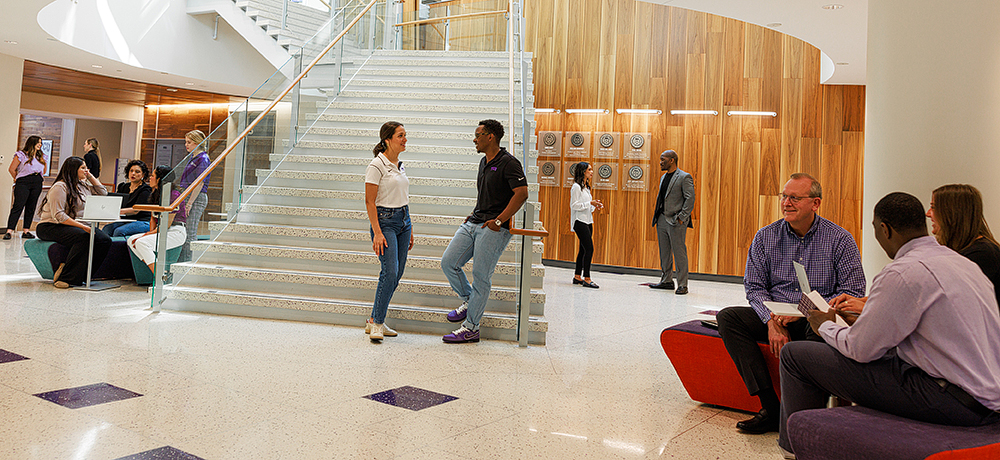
(498, 222)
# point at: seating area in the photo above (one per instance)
(120, 262)
(859, 432)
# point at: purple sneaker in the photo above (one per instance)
(462, 335)
(458, 315)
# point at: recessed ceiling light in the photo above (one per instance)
(774, 24)
(172, 90)
(51, 39)
(10, 42)
(833, 6)
(97, 66)
(119, 70)
(189, 83)
(843, 63)
(164, 73)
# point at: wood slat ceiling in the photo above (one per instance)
(57, 81)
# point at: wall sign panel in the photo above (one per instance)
(636, 146)
(549, 172)
(550, 143)
(605, 176)
(635, 177)
(607, 145)
(577, 144)
(568, 173)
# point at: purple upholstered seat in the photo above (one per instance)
(859, 432)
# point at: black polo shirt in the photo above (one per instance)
(496, 183)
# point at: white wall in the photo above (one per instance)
(11, 69)
(933, 104)
(157, 35)
(109, 137)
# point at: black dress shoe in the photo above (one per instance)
(761, 423)
(667, 285)
(27, 235)
(6, 236)
(681, 290)
(576, 281)
(590, 284)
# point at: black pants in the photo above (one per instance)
(78, 242)
(26, 192)
(585, 232)
(741, 329)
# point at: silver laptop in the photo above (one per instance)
(102, 208)
(792, 309)
(800, 273)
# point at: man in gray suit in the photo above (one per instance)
(672, 218)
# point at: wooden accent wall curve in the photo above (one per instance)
(612, 54)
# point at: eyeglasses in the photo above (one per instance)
(793, 199)
(481, 134)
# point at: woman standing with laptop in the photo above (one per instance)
(60, 210)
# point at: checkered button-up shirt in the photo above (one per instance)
(829, 253)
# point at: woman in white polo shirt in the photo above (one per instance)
(387, 198)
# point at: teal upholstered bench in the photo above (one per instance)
(143, 276)
(46, 255)
(38, 252)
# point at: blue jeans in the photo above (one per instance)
(126, 228)
(396, 228)
(484, 247)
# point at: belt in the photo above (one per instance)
(967, 400)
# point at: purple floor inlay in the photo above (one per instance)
(7, 357)
(90, 395)
(163, 453)
(709, 312)
(412, 398)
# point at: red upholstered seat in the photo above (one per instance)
(706, 370)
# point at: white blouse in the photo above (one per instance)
(579, 205)
(393, 186)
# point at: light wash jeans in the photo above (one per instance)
(484, 247)
(396, 228)
(126, 229)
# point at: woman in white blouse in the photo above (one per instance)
(387, 200)
(582, 205)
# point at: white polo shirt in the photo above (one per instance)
(393, 186)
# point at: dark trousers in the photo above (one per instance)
(78, 242)
(741, 329)
(585, 232)
(26, 192)
(811, 372)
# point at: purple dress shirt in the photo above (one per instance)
(938, 310)
(829, 253)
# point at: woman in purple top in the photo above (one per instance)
(194, 142)
(144, 245)
(26, 168)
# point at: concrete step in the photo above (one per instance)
(408, 318)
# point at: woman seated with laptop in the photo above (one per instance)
(58, 221)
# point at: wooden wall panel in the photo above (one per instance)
(625, 54)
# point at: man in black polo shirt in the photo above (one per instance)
(486, 232)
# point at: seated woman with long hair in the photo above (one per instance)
(957, 221)
(144, 245)
(60, 209)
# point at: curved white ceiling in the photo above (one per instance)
(841, 34)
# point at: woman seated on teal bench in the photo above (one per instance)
(144, 245)
(60, 208)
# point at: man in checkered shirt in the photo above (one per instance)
(833, 267)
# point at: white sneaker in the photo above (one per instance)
(376, 332)
(386, 330)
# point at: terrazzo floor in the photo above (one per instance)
(216, 387)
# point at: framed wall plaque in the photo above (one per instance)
(605, 176)
(576, 144)
(568, 167)
(635, 177)
(635, 146)
(550, 143)
(607, 145)
(549, 172)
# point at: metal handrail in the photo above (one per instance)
(232, 145)
(446, 18)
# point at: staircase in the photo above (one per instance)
(300, 247)
(300, 24)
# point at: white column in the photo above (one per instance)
(933, 104)
(11, 71)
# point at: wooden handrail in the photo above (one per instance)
(446, 18)
(526, 232)
(232, 145)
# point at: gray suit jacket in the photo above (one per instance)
(679, 200)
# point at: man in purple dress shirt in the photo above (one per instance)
(927, 343)
(833, 266)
